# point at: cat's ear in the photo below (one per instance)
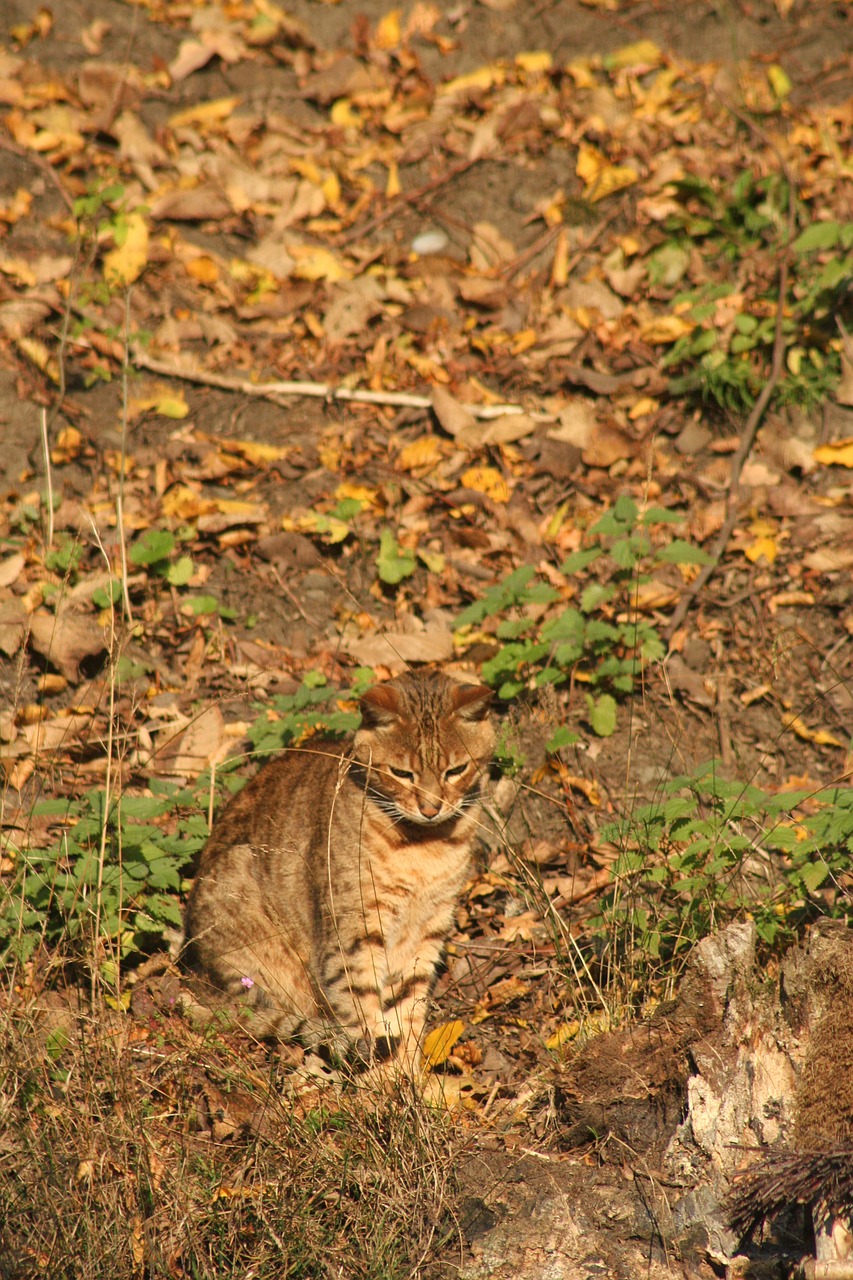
(472, 701)
(379, 706)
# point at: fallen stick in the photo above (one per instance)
(278, 391)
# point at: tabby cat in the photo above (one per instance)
(329, 884)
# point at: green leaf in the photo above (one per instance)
(179, 573)
(155, 546)
(820, 235)
(103, 597)
(579, 560)
(680, 552)
(813, 874)
(393, 563)
(562, 737)
(203, 605)
(601, 713)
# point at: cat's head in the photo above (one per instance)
(427, 740)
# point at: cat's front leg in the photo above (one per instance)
(406, 1002)
(352, 983)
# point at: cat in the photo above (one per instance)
(329, 884)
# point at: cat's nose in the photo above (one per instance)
(429, 808)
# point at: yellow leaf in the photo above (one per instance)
(642, 53)
(19, 269)
(127, 261)
(239, 507)
(359, 492)
(343, 115)
(665, 329)
(643, 407)
(204, 270)
(254, 451)
(653, 595)
(487, 480)
(438, 1043)
(185, 504)
(425, 452)
(779, 81)
(560, 265)
(331, 188)
(204, 113)
(601, 177)
(567, 1031)
(819, 736)
(169, 404)
(392, 186)
(388, 33)
(313, 262)
(539, 60)
(762, 547)
(36, 351)
(329, 528)
(483, 78)
(837, 454)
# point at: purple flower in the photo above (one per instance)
(248, 983)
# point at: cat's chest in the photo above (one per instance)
(429, 870)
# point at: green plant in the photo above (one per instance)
(710, 851)
(727, 360)
(115, 869)
(313, 708)
(599, 638)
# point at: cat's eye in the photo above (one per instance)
(403, 774)
(456, 770)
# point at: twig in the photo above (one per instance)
(33, 158)
(122, 541)
(410, 197)
(754, 420)
(278, 391)
(45, 446)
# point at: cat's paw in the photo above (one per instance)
(368, 1050)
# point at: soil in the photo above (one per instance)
(537, 1207)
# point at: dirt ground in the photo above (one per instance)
(775, 628)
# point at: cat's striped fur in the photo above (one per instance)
(328, 886)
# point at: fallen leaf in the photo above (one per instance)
(601, 178)
(438, 1043)
(665, 329)
(202, 743)
(10, 569)
(66, 639)
(763, 548)
(820, 737)
(837, 454)
(423, 454)
(452, 415)
(396, 650)
(564, 1033)
(487, 480)
(503, 430)
(204, 113)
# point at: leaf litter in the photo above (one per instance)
(337, 224)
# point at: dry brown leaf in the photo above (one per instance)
(66, 639)
(13, 623)
(452, 415)
(503, 430)
(609, 444)
(396, 650)
(202, 743)
(205, 203)
(10, 569)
